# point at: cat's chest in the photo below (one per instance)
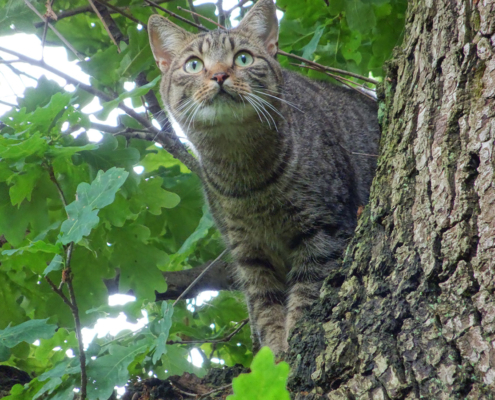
(265, 219)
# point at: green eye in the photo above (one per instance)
(243, 59)
(193, 66)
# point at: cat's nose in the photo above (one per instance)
(220, 77)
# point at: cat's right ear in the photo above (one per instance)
(166, 39)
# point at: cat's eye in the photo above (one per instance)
(193, 66)
(243, 59)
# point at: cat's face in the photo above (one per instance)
(219, 78)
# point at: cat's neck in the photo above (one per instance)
(240, 157)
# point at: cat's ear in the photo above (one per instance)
(262, 21)
(166, 39)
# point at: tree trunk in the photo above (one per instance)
(411, 314)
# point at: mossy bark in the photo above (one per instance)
(411, 315)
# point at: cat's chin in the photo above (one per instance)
(223, 112)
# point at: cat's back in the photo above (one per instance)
(333, 122)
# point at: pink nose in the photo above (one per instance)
(220, 77)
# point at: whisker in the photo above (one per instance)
(278, 98)
(263, 110)
(255, 109)
(268, 104)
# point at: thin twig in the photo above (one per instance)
(17, 71)
(51, 172)
(75, 313)
(338, 78)
(43, 39)
(359, 154)
(330, 74)
(59, 292)
(199, 277)
(45, 20)
(167, 139)
(8, 104)
(223, 340)
(200, 27)
(221, 13)
(118, 10)
(240, 4)
(97, 12)
(183, 391)
(215, 390)
(193, 11)
(200, 16)
(331, 69)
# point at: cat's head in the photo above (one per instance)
(219, 78)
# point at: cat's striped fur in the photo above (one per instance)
(276, 151)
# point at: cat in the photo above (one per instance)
(278, 159)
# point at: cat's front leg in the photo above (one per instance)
(315, 254)
(265, 293)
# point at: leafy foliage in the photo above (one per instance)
(266, 381)
(61, 190)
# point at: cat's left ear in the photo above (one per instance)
(262, 22)
(166, 40)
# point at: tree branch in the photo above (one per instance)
(240, 4)
(200, 27)
(187, 289)
(214, 341)
(218, 277)
(59, 35)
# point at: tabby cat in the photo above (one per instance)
(277, 154)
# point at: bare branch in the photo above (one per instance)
(75, 314)
(199, 277)
(193, 11)
(219, 389)
(340, 71)
(200, 16)
(344, 81)
(221, 13)
(122, 12)
(105, 25)
(45, 20)
(200, 27)
(167, 139)
(240, 4)
(214, 341)
(8, 104)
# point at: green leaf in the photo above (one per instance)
(28, 331)
(310, 48)
(56, 264)
(267, 381)
(90, 198)
(360, 16)
(24, 183)
(136, 92)
(110, 370)
(4, 353)
(164, 325)
(154, 197)
(35, 247)
(16, 149)
(201, 231)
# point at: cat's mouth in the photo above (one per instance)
(222, 94)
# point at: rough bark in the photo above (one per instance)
(412, 314)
